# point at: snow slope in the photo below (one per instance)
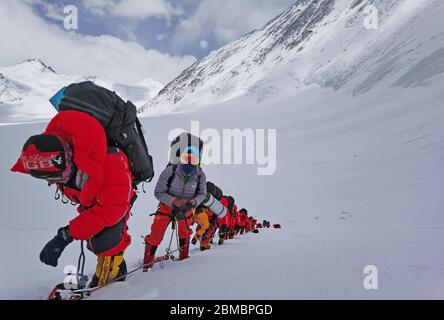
(358, 182)
(25, 89)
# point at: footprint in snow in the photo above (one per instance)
(346, 215)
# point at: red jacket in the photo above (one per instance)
(234, 217)
(225, 221)
(243, 219)
(251, 224)
(109, 191)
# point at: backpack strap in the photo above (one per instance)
(171, 178)
(199, 176)
(142, 138)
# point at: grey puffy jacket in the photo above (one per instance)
(181, 188)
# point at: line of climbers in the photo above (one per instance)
(95, 154)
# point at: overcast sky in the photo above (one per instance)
(127, 40)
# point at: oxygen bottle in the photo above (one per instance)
(215, 206)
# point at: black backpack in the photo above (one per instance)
(118, 118)
(214, 190)
(231, 203)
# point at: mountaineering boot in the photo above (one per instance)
(184, 249)
(108, 269)
(205, 246)
(119, 269)
(94, 282)
(196, 239)
(102, 272)
(150, 252)
(221, 241)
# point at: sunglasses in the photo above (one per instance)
(189, 158)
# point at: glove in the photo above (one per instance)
(182, 213)
(54, 248)
(195, 239)
(193, 202)
(179, 203)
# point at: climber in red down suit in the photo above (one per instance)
(73, 154)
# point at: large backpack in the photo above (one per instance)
(118, 118)
(214, 190)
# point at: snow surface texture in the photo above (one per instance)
(359, 182)
(359, 175)
(26, 88)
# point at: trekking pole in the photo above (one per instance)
(81, 278)
(123, 276)
(92, 290)
(177, 237)
(174, 230)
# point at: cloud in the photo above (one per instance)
(54, 11)
(160, 37)
(204, 44)
(134, 9)
(228, 20)
(25, 35)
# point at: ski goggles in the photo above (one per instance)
(54, 167)
(190, 155)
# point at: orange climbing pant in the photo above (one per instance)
(161, 222)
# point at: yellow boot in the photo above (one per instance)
(108, 269)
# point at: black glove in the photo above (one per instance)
(195, 239)
(54, 248)
(181, 213)
(193, 203)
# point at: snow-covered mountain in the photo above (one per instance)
(26, 87)
(328, 43)
(359, 153)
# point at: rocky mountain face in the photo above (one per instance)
(338, 44)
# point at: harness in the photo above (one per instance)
(177, 213)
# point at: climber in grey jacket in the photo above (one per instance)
(183, 187)
(180, 189)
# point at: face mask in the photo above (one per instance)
(188, 169)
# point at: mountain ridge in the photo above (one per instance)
(319, 42)
(26, 87)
